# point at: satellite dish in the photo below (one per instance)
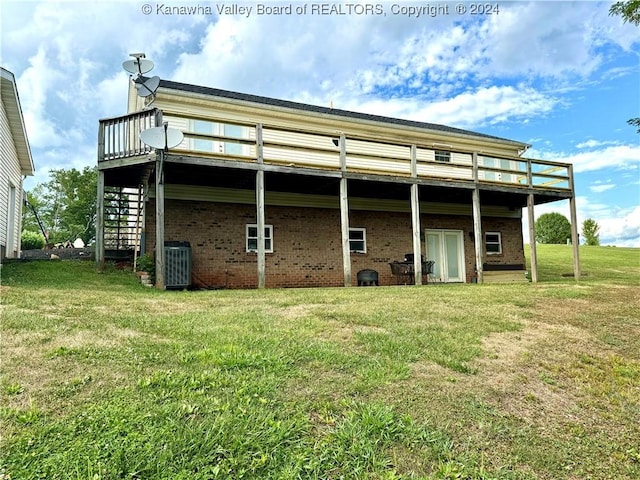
(138, 66)
(147, 86)
(162, 137)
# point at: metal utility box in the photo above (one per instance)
(177, 268)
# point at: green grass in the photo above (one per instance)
(104, 379)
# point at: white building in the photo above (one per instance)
(15, 164)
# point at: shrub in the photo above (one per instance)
(146, 263)
(31, 240)
(552, 228)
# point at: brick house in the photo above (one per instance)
(273, 193)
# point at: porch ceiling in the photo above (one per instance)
(214, 176)
(127, 176)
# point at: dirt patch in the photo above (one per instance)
(41, 362)
(514, 372)
(537, 374)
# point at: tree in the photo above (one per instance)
(590, 232)
(630, 12)
(552, 228)
(66, 205)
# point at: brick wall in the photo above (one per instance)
(512, 243)
(307, 242)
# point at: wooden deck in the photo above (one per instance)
(318, 153)
(378, 158)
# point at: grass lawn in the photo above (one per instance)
(103, 378)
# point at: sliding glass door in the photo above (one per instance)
(446, 249)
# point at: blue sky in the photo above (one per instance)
(561, 76)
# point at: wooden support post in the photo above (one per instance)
(477, 221)
(260, 214)
(100, 222)
(160, 260)
(344, 214)
(415, 220)
(575, 239)
(260, 209)
(532, 239)
(477, 234)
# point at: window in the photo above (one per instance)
(358, 240)
(252, 238)
(222, 129)
(443, 156)
(205, 128)
(235, 131)
(493, 242)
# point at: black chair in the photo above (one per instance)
(403, 272)
(367, 277)
(427, 269)
(408, 257)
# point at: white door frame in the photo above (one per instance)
(11, 223)
(441, 257)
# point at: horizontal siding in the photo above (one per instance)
(186, 103)
(375, 165)
(301, 158)
(320, 142)
(458, 168)
(181, 124)
(321, 151)
(365, 153)
(286, 199)
(10, 175)
(378, 149)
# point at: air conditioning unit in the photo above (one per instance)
(177, 264)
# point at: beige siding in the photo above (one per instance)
(194, 104)
(10, 175)
(458, 168)
(305, 138)
(181, 124)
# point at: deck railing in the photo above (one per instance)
(224, 140)
(119, 137)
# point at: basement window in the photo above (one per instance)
(442, 156)
(358, 240)
(252, 238)
(493, 243)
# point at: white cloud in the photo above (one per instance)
(591, 143)
(602, 187)
(611, 157)
(541, 39)
(35, 86)
(553, 39)
(620, 156)
(488, 105)
(403, 68)
(623, 229)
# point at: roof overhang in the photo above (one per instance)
(11, 101)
